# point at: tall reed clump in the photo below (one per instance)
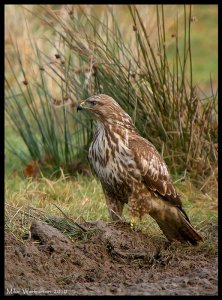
(93, 55)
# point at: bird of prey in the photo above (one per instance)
(132, 171)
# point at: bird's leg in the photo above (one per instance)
(134, 210)
(115, 208)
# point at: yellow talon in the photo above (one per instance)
(133, 222)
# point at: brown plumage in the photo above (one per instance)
(132, 172)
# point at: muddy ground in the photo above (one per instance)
(109, 259)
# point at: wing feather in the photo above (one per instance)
(154, 170)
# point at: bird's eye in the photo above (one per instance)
(93, 103)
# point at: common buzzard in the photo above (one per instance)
(132, 171)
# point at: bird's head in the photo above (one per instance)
(103, 108)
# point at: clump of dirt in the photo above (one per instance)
(111, 260)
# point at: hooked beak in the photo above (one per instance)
(80, 106)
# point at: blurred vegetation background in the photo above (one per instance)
(159, 62)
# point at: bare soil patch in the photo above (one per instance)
(110, 259)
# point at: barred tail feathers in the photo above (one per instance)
(173, 222)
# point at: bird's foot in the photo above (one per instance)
(133, 222)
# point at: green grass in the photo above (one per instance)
(82, 199)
